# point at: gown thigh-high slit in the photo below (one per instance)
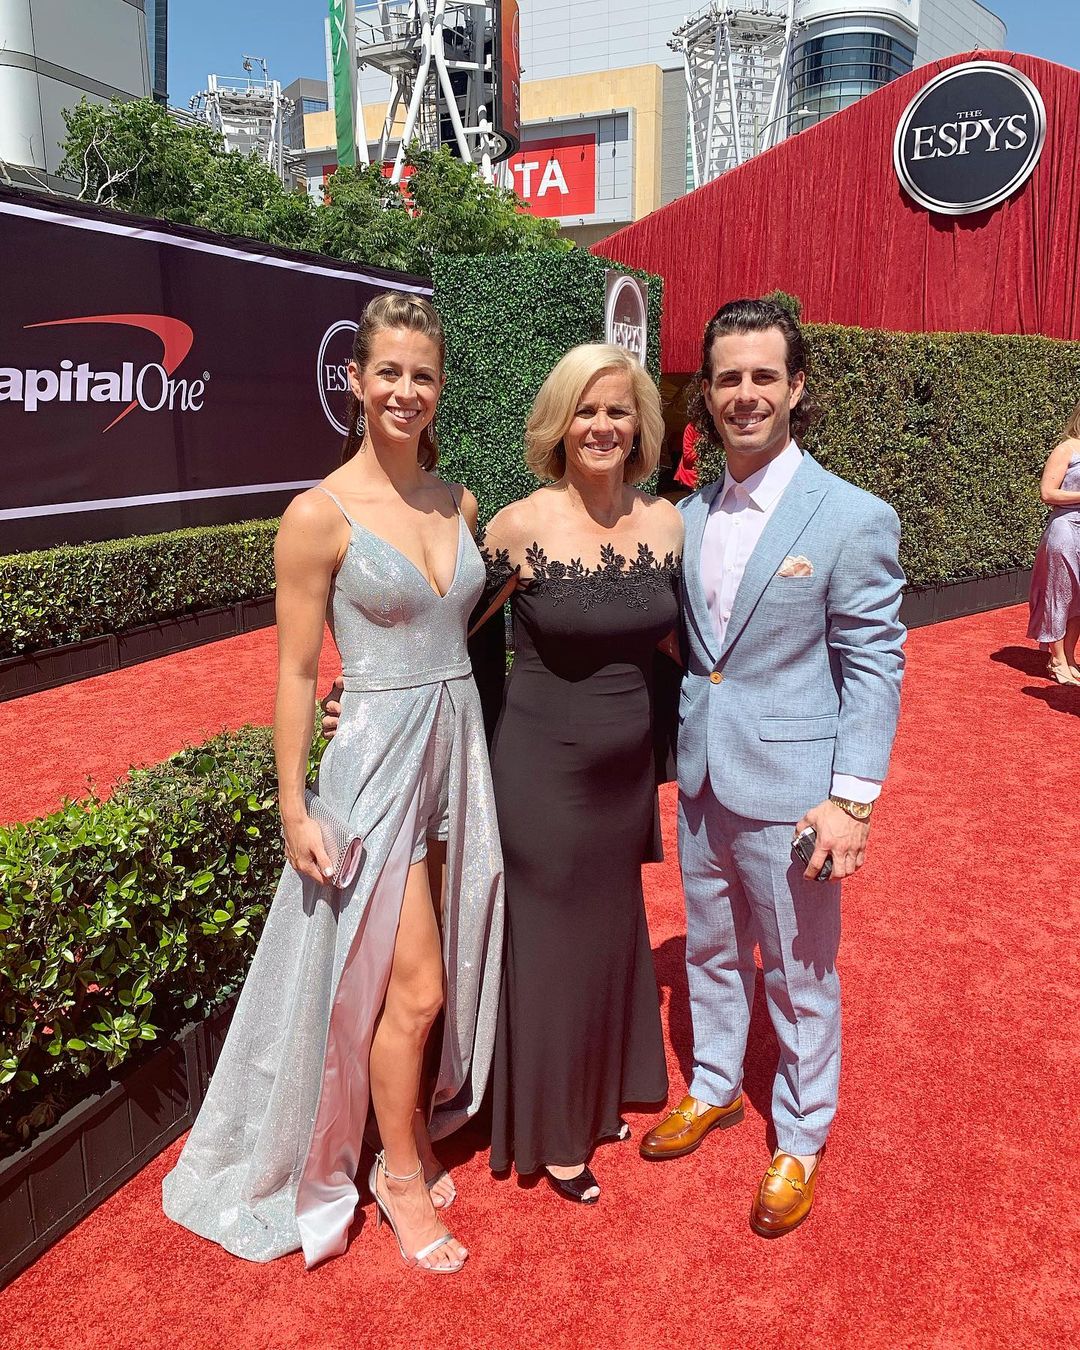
(270, 1164)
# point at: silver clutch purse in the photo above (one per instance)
(344, 848)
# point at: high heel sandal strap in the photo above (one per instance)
(380, 1160)
(433, 1246)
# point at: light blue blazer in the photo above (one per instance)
(807, 682)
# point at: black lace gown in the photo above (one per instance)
(575, 787)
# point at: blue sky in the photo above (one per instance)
(213, 35)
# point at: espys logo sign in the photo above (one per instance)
(970, 138)
(332, 371)
(152, 387)
(626, 314)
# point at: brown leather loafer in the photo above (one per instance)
(684, 1129)
(784, 1198)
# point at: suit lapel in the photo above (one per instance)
(695, 592)
(801, 499)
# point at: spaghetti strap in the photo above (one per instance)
(326, 491)
(453, 497)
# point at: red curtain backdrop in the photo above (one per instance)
(824, 217)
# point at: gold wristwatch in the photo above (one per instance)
(857, 810)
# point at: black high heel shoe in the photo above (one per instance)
(574, 1188)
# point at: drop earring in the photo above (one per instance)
(361, 425)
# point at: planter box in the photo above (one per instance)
(258, 613)
(101, 1142)
(59, 665)
(52, 666)
(166, 636)
(935, 604)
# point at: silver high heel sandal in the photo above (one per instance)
(383, 1211)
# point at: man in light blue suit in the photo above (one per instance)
(794, 655)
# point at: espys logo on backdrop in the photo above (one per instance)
(332, 370)
(626, 314)
(970, 138)
(151, 388)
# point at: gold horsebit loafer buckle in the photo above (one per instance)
(793, 1182)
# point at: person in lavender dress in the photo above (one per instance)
(1055, 578)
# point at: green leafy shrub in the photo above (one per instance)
(508, 320)
(79, 591)
(952, 429)
(120, 919)
(133, 156)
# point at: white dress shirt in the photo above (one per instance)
(737, 518)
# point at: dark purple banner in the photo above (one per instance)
(153, 377)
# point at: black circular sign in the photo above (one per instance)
(970, 138)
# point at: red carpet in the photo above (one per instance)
(59, 743)
(947, 1207)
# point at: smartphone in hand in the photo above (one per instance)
(802, 850)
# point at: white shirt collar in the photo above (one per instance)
(764, 486)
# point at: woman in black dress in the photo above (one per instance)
(596, 562)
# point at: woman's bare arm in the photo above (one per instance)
(307, 550)
(1054, 473)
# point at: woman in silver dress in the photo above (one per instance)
(1055, 577)
(347, 983)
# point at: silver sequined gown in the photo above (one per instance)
(269, 1165)
(1055, 576)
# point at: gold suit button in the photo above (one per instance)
(716, 676)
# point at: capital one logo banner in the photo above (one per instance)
(153, 377)
(970, 138)
(153, 386)
(556, 176)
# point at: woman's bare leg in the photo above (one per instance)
(413, 999)
(443, 1190)
(1060, 666)
(1072, 637)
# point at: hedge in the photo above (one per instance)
(121, 919)
(79, 591)
(952, 429)
(508, 321)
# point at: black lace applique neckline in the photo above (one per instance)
(612, 578)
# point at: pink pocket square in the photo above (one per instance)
(796, 567)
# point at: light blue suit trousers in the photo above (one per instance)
(807, 683)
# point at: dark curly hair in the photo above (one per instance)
(751, 316)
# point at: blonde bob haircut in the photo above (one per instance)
(558, 399)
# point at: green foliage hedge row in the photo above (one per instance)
(508, 320)
(952, 429)
(123, 918)
(67, 594)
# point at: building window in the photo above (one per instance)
(831, 72)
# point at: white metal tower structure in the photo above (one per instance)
(439, 56)
(249, 113)
(736, 60)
